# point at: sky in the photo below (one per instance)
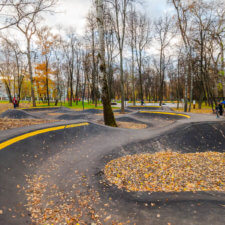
(72, 13)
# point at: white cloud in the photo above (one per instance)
(73, 12)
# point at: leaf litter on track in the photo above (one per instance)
(168, 172)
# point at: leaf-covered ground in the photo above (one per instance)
(115, 114)
(67, 203)
(6, 124)
(128, 125)
(5, 106)
(168, 172)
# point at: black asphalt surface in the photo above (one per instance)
(144, 108)
(56, 155)
(17, 114)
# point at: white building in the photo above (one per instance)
(3, 94)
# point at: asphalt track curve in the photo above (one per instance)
(145, 107)
(17, 114)
(72, 159)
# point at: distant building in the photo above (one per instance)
(3, 94)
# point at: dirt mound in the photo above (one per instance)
(17, 114)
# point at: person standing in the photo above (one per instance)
(14, 101)
(221, 109)
(217, 111)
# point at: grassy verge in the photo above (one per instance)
(204, 109)
(75, 106)
(199, 111)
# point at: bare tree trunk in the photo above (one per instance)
(191, 77)
(94, 71)
(108, 113)
(47, 85)
(122, 82)
(31, 73)
(132, 72)
(222, 67)
(178, 84)
(186, 89)
(71, 89)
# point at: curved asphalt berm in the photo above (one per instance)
(72, 159)
(145, 107)
(17, 114)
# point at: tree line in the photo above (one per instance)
(124, 53)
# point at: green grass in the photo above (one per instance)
(4, 101)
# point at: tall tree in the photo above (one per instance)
(120, 9)
(142, 41)
(108, 113)
(45, 41)
(164, 35)
(182, 17)
(26, 17)
(132, 21)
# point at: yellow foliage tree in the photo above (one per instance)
(44, 84)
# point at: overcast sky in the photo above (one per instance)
(73, 12)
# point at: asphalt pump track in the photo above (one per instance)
(53, 172)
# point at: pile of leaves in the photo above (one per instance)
(6, 124)
(128, 125)
(55, 114)
(168, 172)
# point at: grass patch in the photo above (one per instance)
(200, 111)
(75, 106)
(5, 105)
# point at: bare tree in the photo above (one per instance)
(142, 40)
(91, 27)
(108, 113)
(132, 21)
(164, 35)
(70, 54)
(26, 17)
(181, 8)
(120, 9)
(14, 60)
